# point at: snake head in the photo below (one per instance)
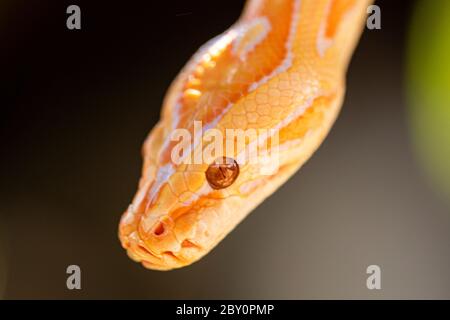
(246, 112)
(182, 210)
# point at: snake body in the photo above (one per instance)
(281, 67)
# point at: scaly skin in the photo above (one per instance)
(281, 66)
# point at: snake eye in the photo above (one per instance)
(222, 173)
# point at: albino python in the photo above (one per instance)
(281, 66)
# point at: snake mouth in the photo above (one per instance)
(138, 251)
(139, 247)
(166, 241)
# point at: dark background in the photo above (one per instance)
(77, 105)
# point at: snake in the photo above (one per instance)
(280, 69)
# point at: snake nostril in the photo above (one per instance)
(159, 229)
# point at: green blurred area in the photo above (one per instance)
(429, 88)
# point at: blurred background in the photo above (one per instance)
(77, 105)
